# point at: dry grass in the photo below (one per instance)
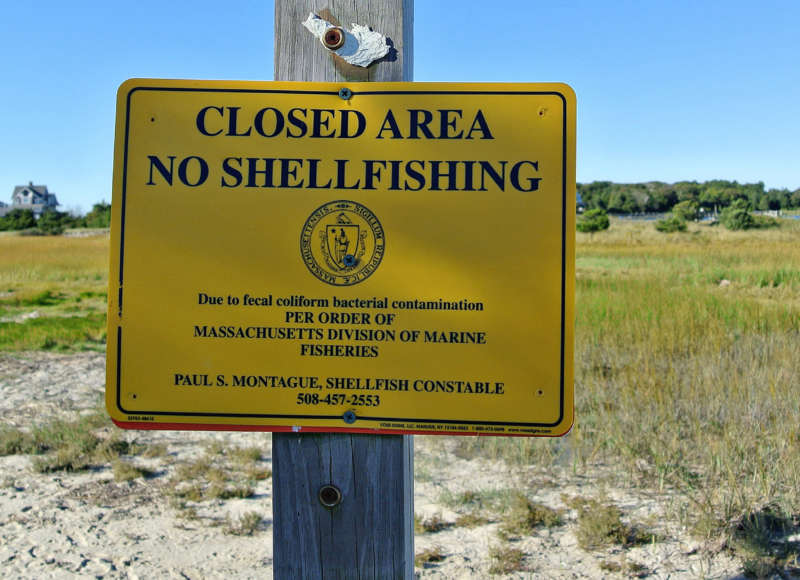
(63, 261)
(687, 370)
(600, 525)
(506, 559)
(90, 441)
(627, 568)
(221, 473)
(246, 524)
(126, 471)
(430, 525)
(523, 516)
(471, 519)
(429, 556)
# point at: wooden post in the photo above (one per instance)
(370, 533)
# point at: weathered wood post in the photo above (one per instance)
(369, 532)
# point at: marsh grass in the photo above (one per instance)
(687, 369)
(692, 384)
(53, 292)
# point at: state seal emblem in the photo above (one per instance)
(342, 243)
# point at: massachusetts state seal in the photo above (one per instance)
(342, 243)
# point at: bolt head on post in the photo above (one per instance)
(330, 496)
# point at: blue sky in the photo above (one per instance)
(667, 90)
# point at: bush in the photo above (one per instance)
(688, 210)
(671, 224)
(594, 220)
(764, 221)
(99, 217)
(737, 216)
(18, 219)
(52, 223)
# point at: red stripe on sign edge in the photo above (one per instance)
(150, 426)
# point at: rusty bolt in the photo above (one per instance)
(333, 38)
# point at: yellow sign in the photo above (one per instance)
(392, 257)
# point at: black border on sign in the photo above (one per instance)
(118, 352)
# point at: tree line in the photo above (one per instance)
(655, 196)
(709, 197)
(53, 222)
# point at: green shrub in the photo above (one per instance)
(594, 220)
(737, 216)
(53, 223)
(671, 224)
(688, 210)
(764, 221)
(99, 217)
(18, 219)
(740, 218)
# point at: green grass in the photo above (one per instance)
(62, 334)
(53, 293)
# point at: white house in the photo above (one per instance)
(33, 197)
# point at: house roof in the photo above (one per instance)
(40, 189)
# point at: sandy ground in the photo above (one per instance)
(65, 525)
